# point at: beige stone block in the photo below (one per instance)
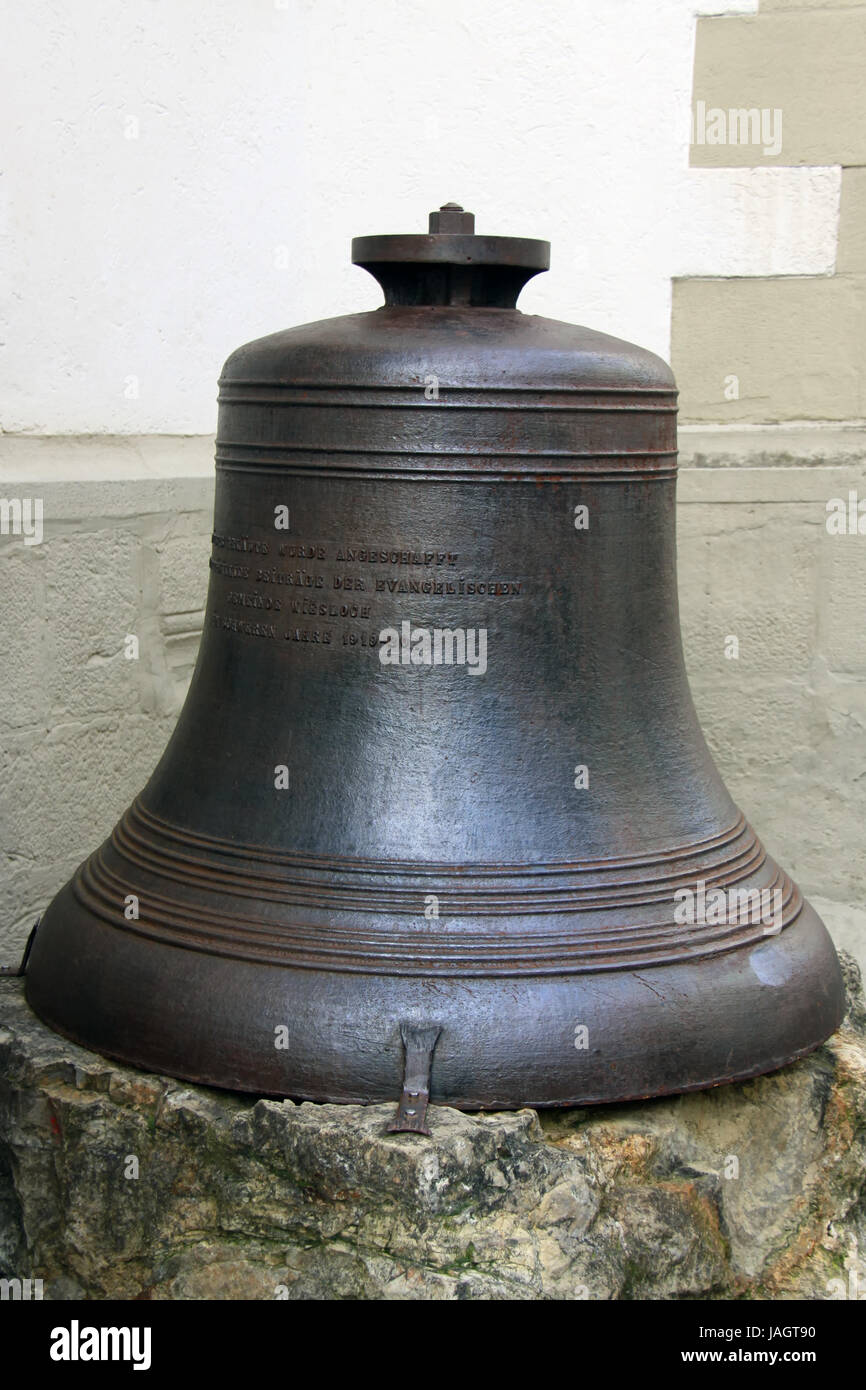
(23, 695)
(842, 632)
(755, 729)
(132, 473)
(174, 566)
(851, 253)
(796, 346)
(791, 754)
(824, 802)
(28, 887)
(747, 573)
(92, 606)
(183, 572)
(776, 6)
(788, 729)
(846, 925)
(722, 463)
(62, 792)
(806, 63)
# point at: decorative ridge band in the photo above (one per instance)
(409, 430)
(144, 846)
(369, 389)
(283, 447)
(246, 852)
(396, 466)
(422, 951)
(579, 402)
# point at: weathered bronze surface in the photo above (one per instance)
(345, 865)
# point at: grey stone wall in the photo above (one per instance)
(786, 720)
(127, 523)
(125, 552)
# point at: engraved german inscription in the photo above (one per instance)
(352, 585)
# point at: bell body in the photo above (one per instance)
(347, 836)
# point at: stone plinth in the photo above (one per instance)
(120, 1184)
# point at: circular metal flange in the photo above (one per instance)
(451, 240)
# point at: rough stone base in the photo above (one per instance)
(119, 1184)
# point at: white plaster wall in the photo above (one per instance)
(182, 177)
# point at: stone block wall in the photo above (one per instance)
(125, 553)
(82, 723)
(789, 346)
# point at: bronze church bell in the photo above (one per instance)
(437, 813)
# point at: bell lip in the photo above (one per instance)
(467, 1104)
(235, 1085)
(765, 1007)
(451, 248)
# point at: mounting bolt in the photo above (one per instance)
(452, 218)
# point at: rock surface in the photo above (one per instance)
(120, 1184)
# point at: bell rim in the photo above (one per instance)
(451, 248)
(660, 1031)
